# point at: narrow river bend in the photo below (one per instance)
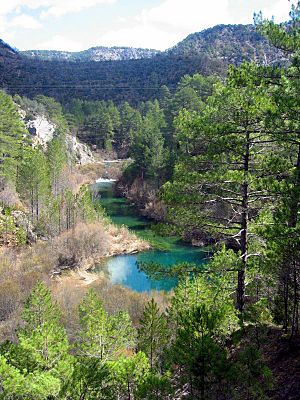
(124, 269)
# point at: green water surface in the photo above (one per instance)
(124, 269)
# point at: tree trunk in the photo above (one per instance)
(293, 272)
(244, 229)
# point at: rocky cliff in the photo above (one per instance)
(42, 131)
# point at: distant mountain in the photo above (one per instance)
(99, 53)
(134, 80)
(230, 43)
(7, 52)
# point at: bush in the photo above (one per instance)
(85, 241)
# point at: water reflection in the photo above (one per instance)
(124, 269)
(119, 269)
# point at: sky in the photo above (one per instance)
(75, 25)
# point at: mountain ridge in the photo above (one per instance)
(6, 51)
(96, 53)
(208, 52)
(230, 42)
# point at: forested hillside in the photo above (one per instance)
(208, 52)
(231, 43)
(212, 159)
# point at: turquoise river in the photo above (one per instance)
(124, 269)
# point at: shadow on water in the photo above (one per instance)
(124, 269)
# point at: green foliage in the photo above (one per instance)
(99, 122)
(131, 123)
(37, 385)
(206, 52)
(43, 343)
(196, 348)
(282, 256)
(147, 147)
(33, 180)
(155, 387)
(90, 379)
(88, 209)
(129, 373)
(57, 161)
(232, 158)
(103, 337)
(9, 232)
(38, 364)
(153, 334)
(215, 292)
(54, 111)
(12, 133)
(257, 377)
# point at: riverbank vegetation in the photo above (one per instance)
(219, 162)
(50, 221)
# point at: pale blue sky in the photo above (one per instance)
(79, 24)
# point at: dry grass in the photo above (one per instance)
(96, 170)
(114, 298)
(75, 250)
(91, 172)
(122, 241)
(83, 242)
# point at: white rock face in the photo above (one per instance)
(80, 151)
(41, 130)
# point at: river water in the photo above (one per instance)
(124, 269)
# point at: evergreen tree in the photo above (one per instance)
(102, 336)
(100, 126)
(12, 132)
(283, 235)
(38, 365)
(130, 125)
(153, 333)
(147, 148)
(33, 180)
(57, 160)
(91, 379)
(129, 374)
(218, 185)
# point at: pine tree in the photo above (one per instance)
(39, 364)
(102, 336)
(57, 160)
(33, 180)
(131, 122)
(153, 333)
(147, 147)
(12, 132)
(283, 235)
(218, 186)
(43, 341)
(129, 374)
(202, 315)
